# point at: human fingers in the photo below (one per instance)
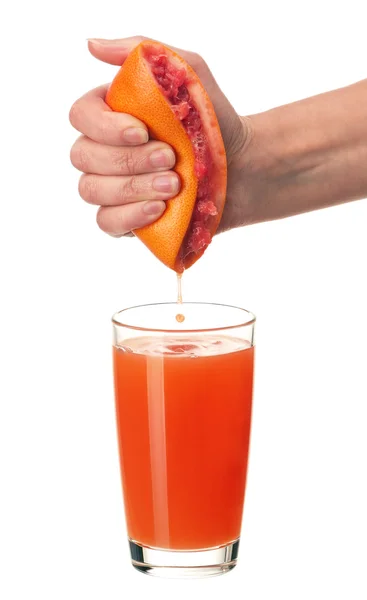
(115, 190)
(91, 157)
(91, 116)
(120, 220)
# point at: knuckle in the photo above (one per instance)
(88, 188)
(195, 59)
(108, 127)
(76, 113)
(198, 64)
(79, 157)
(101, 219)
(129, 189)
(139, 38)
(125, 162)
(112, 223)
(104, 128)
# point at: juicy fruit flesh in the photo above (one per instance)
(174, 84)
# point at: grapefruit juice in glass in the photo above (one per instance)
(183, 404)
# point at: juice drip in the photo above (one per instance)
(179, 317)
(179, 288)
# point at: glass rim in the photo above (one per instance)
(118, 323)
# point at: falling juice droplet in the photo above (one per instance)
(179, 317)
(179, 288)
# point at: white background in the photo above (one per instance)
(62, 531)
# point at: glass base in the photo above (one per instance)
(177, 564)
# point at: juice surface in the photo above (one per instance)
(183, 417)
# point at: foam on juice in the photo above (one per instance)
(180, 346)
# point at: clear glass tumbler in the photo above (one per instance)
(183, 387)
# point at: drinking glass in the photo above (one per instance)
(183, 389)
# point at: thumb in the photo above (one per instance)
(113, 52)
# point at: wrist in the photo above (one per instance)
(299, 157)
(245, 168)
(278, 159)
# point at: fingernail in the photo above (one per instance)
(162, 158)
(98, 41)
(165, 183)
(136, 135)
(154, 207)
(104, 42)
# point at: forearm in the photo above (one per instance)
(306, 155)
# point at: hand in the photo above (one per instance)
(130, 176)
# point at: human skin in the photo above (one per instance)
(292, 159)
